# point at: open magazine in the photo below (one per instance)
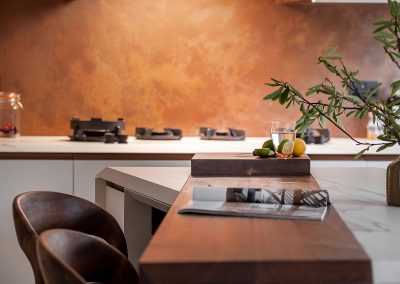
(305, 204)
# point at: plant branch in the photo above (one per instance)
(327, 105)
(391, 57)
(340, 128)
(369, 105)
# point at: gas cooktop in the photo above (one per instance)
(231, 134)
(315, 135)
(144, 133)
(98, 130)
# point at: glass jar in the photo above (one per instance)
(374, 127)
(10, 106)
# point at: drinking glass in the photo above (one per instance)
(283, 135)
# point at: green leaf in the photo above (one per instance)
(296, 92)
(359, 154)
(354, 99)
(383, 147)
(333, 57)
(379, 23)
(331, 50)
(313, 90)
(395, 102)
(272, 84)
(274, 95)
(305, 126)
(357, 81)
(395, 86)
(322, 120)
(386, 35)
(350, 113)
(363, 113)
(384, 137)
(289, 103)
(302, 109)
(354, 73)
(372, 91)
(283, 97)
(393, 8)
(300, 121)
(330, 68)
(339, 122)
(335, 118)
(296, 100)
(396, 54)
(383, 26)
(330, 109)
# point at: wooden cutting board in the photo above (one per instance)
(245, 164)
(216, 249)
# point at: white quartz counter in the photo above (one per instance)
(359, 195)
(188, 145)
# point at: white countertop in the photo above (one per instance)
(359, 195)
(187, 145)
(162, 184)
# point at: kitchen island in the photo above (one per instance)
(57, 164)
(358, 195)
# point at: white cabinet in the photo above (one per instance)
(85, 172)
(19, 176)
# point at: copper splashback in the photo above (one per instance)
(184, 63)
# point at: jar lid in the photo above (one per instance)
(10, 96)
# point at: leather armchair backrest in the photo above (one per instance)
(37, 211)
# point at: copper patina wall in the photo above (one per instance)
(175, 63)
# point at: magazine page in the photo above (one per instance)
(305, 204)
(260, 210)
(307, 197)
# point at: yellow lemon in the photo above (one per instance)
(299, 147)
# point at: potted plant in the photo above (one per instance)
(338, 100)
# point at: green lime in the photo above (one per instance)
(286, 147)
(262, 152)
(269, 144)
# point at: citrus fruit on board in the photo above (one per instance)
(286, 147)
(269, 144)
(299, 147)
(263, 152)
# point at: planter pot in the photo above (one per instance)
(393, 183)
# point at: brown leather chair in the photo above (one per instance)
(72, 257)
(37, 211)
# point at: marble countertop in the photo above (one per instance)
(359, 195)
(188, 145)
